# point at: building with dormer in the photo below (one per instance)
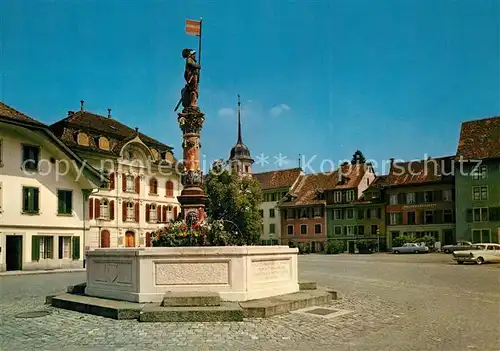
(143, 183)
(44, 187)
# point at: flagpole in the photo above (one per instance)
(199, 47)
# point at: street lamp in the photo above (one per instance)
(98, 222)
(378, 239)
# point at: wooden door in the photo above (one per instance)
(129, 239)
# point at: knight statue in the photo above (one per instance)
(191, 74)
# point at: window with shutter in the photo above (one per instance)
(147, 212)
(76, 247)
(112, 181)
(112, 210)
(169, 189)
(175, 212)
(137, 212)
(124, 182)
(97, 208)
(30, 200)
(105, 238)
(31, 156)
(137, 185)
(124, 211)
(148, 239)
(35, 248)
(64, 202)
(91, 208)
(158, 214)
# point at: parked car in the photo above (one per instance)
(410, 248)
(459, 246)
(479, 253)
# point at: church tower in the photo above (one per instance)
(240, 159)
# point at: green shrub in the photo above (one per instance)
(400, 240)
(304, 248)
(334, 247)
(428, 240)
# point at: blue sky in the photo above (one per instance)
(391, 78)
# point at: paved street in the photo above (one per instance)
(403, 302)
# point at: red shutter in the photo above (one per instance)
(124, 182)
(91, 208)
(137, 212)
(175, 212)
(151, 188)
(124, 211)
(137, 184)
(147, 212)
(105, 239)
(164, 208)
(148, 239)
(158, 213)
(97, 208)
(112, 210)
(169, 189)
(112, 181)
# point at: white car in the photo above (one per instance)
(479, 253)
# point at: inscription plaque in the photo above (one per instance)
(270, 271)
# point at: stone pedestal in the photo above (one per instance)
(192, 198)
(236, 273)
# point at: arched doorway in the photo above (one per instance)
(105, 238)
(129, 239)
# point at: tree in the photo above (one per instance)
(236, 201)
(358, 157)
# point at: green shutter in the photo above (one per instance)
(69, 202)
(35, 248)
(49, 246)
(76, 247)
(35, 200)
(60, 202)
(25, 199)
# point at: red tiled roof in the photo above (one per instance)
(277, 179)
(105, 126)
(418, 171)
(480, 139)
(11, 113)
(307, 187)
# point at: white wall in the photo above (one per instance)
(48, 181)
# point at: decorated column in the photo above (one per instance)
(192, 198)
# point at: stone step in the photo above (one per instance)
(77, 289)
(307, 285)
(226, 312)
(97, 306)
(271, 306)
(191, 299)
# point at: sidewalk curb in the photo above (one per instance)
(52, 271)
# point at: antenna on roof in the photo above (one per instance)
(109, 113)
(81, 105)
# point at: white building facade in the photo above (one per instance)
(43, 191)
(275, 185)
(144, 181)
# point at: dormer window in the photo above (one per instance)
(103, 143)
(82, 139)
(350, 195)
(127, 155)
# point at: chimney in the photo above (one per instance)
(392, 164)
(137, 130)
(300, 161)
(70, 113)
(109, 113)
(81, 105)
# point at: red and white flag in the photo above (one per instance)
(193, 27)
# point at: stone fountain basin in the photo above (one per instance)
(236, 273)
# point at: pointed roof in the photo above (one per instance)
(240, 150)
(277, 179)
(480, 139)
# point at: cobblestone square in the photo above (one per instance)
(407, 302)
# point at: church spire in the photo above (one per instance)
(240, 141)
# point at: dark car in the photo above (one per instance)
(460, 246)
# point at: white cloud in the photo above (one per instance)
(226, 112)
(279, 109)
